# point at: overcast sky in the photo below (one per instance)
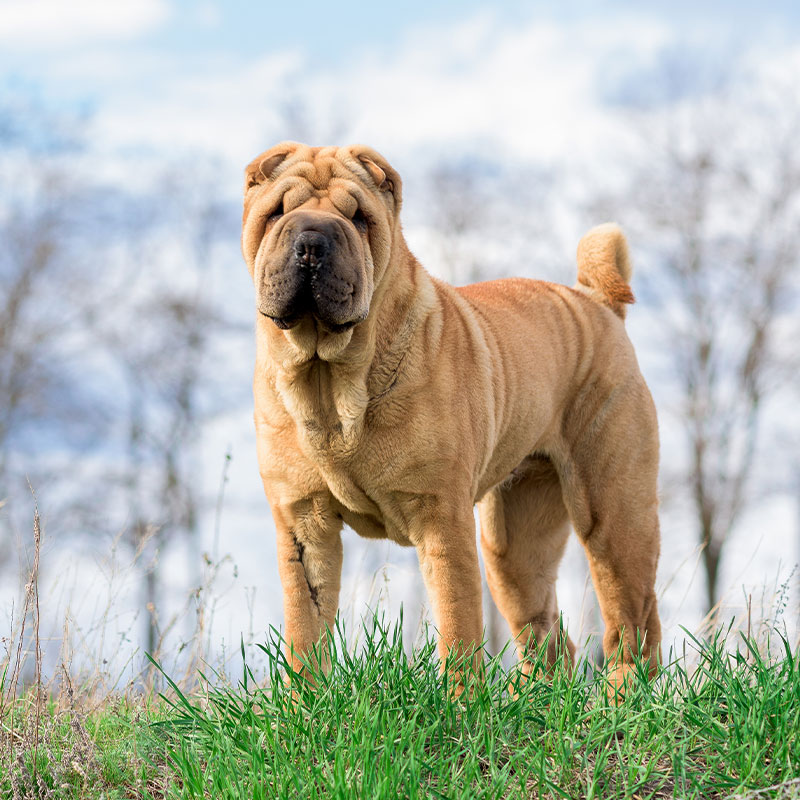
(531, 78)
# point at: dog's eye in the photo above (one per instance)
(360, 220)
(275, 215)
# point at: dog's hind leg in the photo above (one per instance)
(524, 529)
(609, 476)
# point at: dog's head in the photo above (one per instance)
(317, 235)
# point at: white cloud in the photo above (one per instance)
(208, 15)
(40, 24)
(530, 90)
(225, 109)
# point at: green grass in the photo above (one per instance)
(83, 750)
(381, 725)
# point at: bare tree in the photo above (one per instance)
(488, 220)
(45, 403)
(161, 346)
(108, 327)
(714, 198)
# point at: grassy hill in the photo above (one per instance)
(723, 720)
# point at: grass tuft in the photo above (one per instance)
(723, 721)
(382, 725)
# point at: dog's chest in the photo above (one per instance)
(347, 488)
(364, 494)
(353, 459)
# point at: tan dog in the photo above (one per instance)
(393, 402)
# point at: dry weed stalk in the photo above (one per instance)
(30, 606)
(34, 591)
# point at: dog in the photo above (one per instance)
(392, 402)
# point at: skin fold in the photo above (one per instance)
(392, 402)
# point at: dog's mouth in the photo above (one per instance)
(289, 322)
(316, 271)
(284, 323)
(321, 295)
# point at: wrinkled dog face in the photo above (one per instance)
(317, 231)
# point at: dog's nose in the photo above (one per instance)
(310, 248)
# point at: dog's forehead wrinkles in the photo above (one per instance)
(342, 199)
(295, 188)
(321, 174)
(328, 151)
(303, 184)
(321, 171)
(337, 196)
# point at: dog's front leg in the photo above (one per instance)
(310, 568)
(448, 559)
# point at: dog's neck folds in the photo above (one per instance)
(327, 382)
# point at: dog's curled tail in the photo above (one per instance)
(604, 268)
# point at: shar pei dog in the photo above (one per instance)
(393, 402)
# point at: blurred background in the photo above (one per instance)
(126, 311)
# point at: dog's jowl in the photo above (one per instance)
(392, 402)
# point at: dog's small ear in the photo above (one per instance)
(263, 167)
(377, 174)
